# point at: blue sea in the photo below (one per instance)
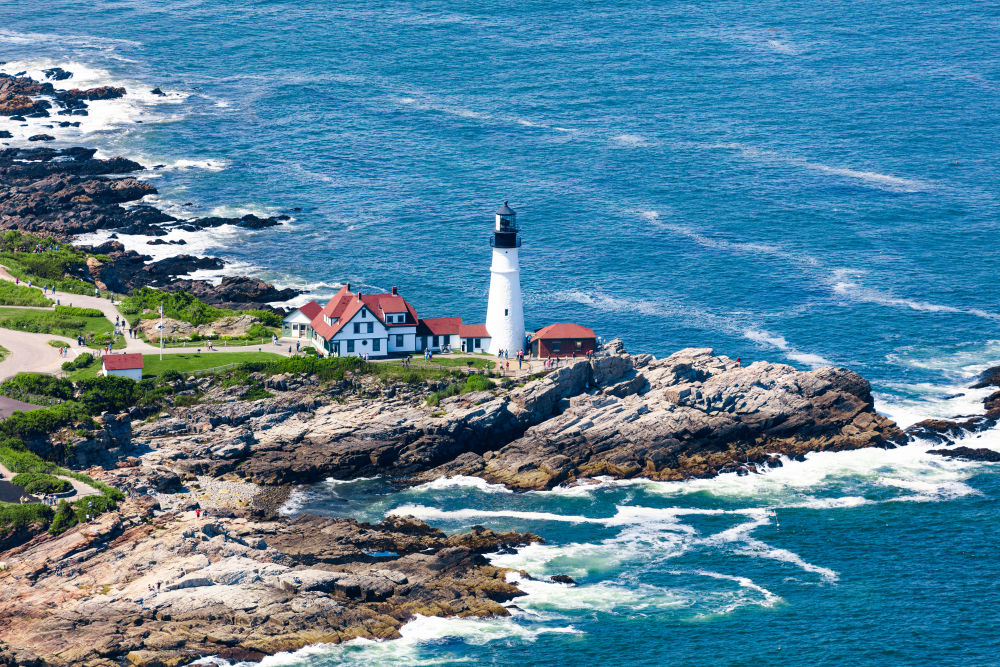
(805, 182)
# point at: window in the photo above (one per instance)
(476, 344)
(350, 346)
(399, 341)
(371, 327)
(556, 346)
(376, 344)
(436, 341)
(505, 312)
(336, 349)
(579, 344)
(357, 327)
(362, 312)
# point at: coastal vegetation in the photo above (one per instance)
(3, 352)
(472, 383)
(62, 321)
(21, 295)
(144, 303)
(55, 264)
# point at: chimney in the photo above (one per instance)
(394, 290)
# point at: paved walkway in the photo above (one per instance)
(31, 353)
(8, 406)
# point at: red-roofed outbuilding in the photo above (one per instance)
(563, 340)
(124, 365)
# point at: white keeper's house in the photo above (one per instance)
(379, 325)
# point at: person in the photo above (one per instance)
(519, 362)
(297, 345)
(508, 367)
(290, 349)
(97, 293)
(197, 513)
(738, 363)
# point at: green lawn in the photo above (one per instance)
(443, 360)
(21, 295)
(181, 362)
(187, 362)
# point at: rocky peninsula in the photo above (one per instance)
(156, 584)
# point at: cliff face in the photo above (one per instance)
(692, 414)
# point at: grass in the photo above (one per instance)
(188, 362)
(67, 324)
(3, 352)
(21, 295)
(58, 343)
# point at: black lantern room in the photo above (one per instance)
(505, 232)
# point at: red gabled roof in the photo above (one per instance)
(344, 305)
(380, 304)
(564, 330)
(439, 326)
(311, 309)
(474, 331)
(122, 362)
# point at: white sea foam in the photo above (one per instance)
(138, 104)
(605, 596)
(778, 342)
(631, 140)
(845, 284)
(749, 247)
(462, 482)
(867, 178)
(421, 634)
(434, 513)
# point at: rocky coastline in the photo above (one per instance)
(246, 580)
(66, 192)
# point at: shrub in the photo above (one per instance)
(108, 392)
(83, 361)
(16, 515)
(63, 518)
(255, 392)
(41, 484)
(38, 423)
(26, 385)
(58, 343)
(478, 383)
(16, 457)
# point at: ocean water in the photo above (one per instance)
(813, 183)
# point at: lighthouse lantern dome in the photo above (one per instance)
(505, 233)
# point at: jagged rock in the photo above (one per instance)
(968, 453)
(57, 74)
(41, 137)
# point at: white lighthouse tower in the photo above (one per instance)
(505, 311)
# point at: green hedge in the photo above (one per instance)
(75, 311)
(41, 484)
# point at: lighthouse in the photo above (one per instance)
(505, 311)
